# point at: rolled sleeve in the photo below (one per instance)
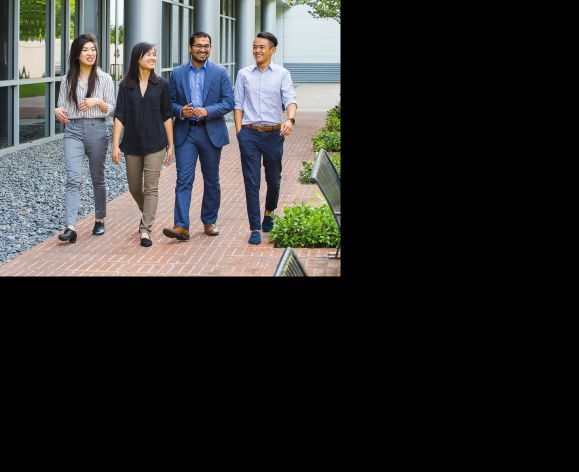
(239, 92)
(288, 94)
(62, 93)
(120, 110)
(109, 95)
(166, 110)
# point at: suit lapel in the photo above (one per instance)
(208, 78)
(185, 82)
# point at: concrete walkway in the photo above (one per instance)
(317, 97)
(118, 253)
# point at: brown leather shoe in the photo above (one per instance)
(177, 232)
(211, 230)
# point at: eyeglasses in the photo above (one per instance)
(198, 47)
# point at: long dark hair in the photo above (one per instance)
(131, 79)
(74, 66)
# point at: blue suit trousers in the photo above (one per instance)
(197, 144)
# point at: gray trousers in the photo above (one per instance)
(85, 136)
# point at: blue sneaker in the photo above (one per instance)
(267, 224)
(255, 237)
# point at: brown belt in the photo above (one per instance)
(262, 128)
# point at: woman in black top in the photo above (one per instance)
(144, 111)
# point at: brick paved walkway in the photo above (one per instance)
(118, 252)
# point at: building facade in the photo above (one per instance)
(35, 38)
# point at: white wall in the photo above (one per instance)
(307, 39)
(31, 55)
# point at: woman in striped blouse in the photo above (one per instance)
(87, 97)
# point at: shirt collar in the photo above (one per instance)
(269, 66)
(204, 66)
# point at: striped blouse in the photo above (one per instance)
(104, 89)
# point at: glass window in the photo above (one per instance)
(58, 127)
(72, 18)
(166, 38)
(191, 26)
(32, 41)
(225, 43)
(117, 39)
(176, 27)
(6, 117)
(227, 37)
(6, 32)
(59, 34)
(175, 41)
(92, 17)
(32, 112)
(61, 46)
(230, 48)
(222, 41)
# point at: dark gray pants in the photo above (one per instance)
(85, 136)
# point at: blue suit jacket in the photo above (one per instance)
(217, 99)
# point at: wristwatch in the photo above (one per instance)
(292, 120)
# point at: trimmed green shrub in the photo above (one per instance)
(304, 177)
(328, 140)
(303, 225)
(335, 112)
(337, 161)
(306, 171)
(333, 120)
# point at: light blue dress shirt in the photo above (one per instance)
(196, 85)
(260, 95)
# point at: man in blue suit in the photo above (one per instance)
(201, 95)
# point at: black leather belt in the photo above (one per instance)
(196, 123)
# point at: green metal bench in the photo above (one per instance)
(289, 265)
(325, 175)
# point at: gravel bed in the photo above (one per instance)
(32, 191)
(32, 195)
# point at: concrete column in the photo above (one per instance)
(245, 33)
(268, 16)
(89, 18)
(207, 19)
(142, 23)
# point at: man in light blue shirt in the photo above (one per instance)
(261, 90)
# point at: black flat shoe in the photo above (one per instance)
(68, 235)
(146, 242)
(99, 228)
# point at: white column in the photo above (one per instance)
(245, 32)
(207, 20)
(142, 23)
(268, 16)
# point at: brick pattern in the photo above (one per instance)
(118, 252)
